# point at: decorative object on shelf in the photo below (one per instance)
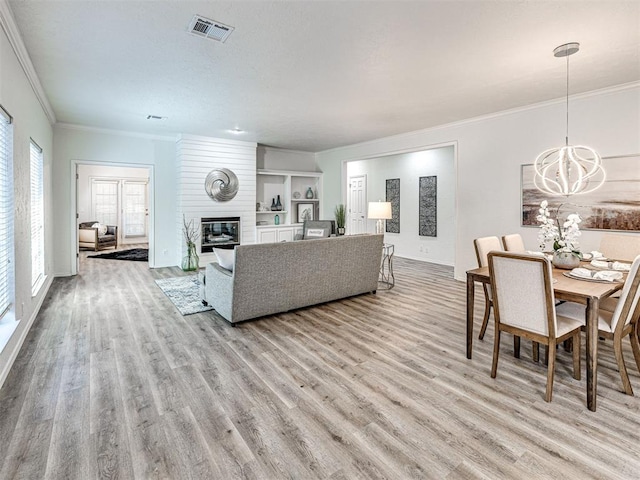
(262, 222)
(273, 204)
(341, 218)
(614, 206)
(566, 250)
(263, 207)
(296, 195)
(278, 204)
(393, 196)
(276, 220)
(379, 211)
(568, 170)
(221, 185)
(309, 194)
(305, 212)
(428, 206)
(190, 262)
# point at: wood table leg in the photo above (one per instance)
(592, 352)
(470, 302)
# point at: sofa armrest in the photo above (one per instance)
(88, 235)
(219, 290)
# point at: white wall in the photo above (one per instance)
(196, 157)
(30, 122)
(269, 158)
(490, 152)
(408, 167)
(82, 145)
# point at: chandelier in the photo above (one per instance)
(568, 170)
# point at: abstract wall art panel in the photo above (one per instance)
(428, 206)
(393, 196)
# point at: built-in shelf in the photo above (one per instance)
(305, 200)
(273, 212)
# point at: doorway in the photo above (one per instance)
(356, 207)
(118, 195)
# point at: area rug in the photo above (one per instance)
(184, 292)
(134, 254)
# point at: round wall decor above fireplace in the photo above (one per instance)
(221, 185)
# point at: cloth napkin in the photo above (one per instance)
(619, 266)
(596, 254)
(607, 275)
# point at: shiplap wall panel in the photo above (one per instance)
(197, 156)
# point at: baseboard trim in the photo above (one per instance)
(25, 332)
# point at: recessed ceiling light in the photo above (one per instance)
(155, 117)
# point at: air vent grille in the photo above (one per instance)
(207, 28)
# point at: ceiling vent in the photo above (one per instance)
(207, 28)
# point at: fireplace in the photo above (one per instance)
(221, 232)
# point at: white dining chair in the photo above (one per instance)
(513, 243)
(483, 246)
(620, 247)
(619, 323)
(524, 305)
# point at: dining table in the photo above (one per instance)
(585, 292)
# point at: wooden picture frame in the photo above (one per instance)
(614, 206)
(306, 211)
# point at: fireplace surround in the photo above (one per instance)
(219, 232)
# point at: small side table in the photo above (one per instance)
(387, 279)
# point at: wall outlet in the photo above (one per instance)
(165, 252)
(426, 250)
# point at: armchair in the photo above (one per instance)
(92, 237)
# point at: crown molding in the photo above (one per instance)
(482, 118)
(15, 39)
(121, 133)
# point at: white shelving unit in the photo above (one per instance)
(270, 184)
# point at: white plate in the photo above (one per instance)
(597, 280)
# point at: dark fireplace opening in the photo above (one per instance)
(221, 232)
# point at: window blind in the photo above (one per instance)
(6, 213)
(37, 216)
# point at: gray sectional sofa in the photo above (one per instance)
(270, 278)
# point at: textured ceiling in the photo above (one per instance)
(317, 75)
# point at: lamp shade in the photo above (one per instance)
(380, 210)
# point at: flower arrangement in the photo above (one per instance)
(565, 236)
(190, 262)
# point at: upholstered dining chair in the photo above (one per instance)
(483, 246)
(620, 247)
(619, 323)
(513, 243)
(524, 305)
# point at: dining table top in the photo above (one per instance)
(564, 286)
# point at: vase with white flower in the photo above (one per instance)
(191, 261)
(566, 249)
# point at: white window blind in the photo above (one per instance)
(105, 201)
(37, 216)
(6, 213)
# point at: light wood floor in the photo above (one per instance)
(112, 382)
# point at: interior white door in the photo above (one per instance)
(135, 211)
(357, 204)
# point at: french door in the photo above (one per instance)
(123, 203)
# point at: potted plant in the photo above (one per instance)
(341, 216)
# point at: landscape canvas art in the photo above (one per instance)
(614, 206)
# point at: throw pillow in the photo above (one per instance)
(226, 258)
(102, 229)
(315, 233)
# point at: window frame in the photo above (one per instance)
(7, 268)
(36, 174)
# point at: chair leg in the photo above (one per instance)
(635, 346)
(551, 367)
(516, 346)
(485, 319)
(622, 368)
(496, 349)
(536, 351)
(546, 354)
(576, 356)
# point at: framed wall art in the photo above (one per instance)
(614, 206)
(428, 206)
(393, 196)
(305, 212)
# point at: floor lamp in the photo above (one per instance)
(380, 211)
